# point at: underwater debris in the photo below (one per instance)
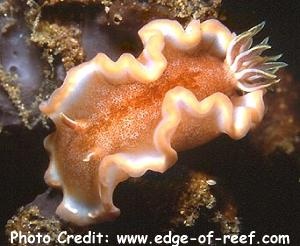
(280, 129)
(28, 220)
(8, 86)
(13, 91)
(162, 197)
(22, 93)
(6, 26)
(126, 11)
(122, 11)
(196, 9)
(197, 195)
(27, 115)
(58, 40)
(227, 225)
(55, 39)
(8, 8)
(20, 104)
(202, 197)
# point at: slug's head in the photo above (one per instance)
(251, 69)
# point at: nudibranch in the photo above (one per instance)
(118, 119)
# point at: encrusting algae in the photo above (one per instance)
(56, 40)
(198, 200)
(280, 129)
(13, 91)
(191, 8)
(29, 221)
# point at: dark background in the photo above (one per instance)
(282, 24)
(268, 197)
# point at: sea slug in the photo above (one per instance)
(118, 119)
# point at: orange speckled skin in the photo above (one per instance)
(118, 119)
(123, 118)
